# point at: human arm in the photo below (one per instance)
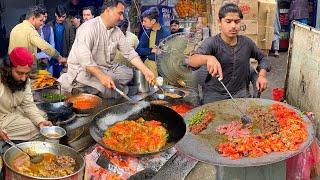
(30, 109)
(37, 41)
(150, 77)
(83, 45)
(129, 53)
(205, 56)
(263, 67)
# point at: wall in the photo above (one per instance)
(303, 74)
(13, 10)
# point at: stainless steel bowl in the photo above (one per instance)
(53, 132)
(42, 147)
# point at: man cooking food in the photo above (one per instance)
(19, 116)
(91, 59)
(227, 55)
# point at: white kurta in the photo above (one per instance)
(19, 115)
(95, 45)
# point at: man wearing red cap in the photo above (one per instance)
(19, 116)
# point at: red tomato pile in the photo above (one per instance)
(292, 134)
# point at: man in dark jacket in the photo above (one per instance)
(149, 40)
(64, 35)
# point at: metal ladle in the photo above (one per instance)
(244, 118)
(37, 158)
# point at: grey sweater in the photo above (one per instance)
(235, 62)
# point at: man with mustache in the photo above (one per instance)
(91, 63)
(227, 55)
(19, 116)
(25, 35)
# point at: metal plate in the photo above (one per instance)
(171, 120)
(201, 146)
(171, 61)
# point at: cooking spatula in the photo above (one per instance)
(244, 118)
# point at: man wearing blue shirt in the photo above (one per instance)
(149, 40)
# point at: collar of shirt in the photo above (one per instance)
(28, 24)
(108, 29)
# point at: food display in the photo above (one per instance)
(200, 121)
(43, 79)
(181, 108)
(136, 137)
(52, 166)
(274, 129)
(51, 96)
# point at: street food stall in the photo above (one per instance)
(164, 132)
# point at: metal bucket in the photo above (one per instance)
(140, 81)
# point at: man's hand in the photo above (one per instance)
(150, 77)
(44, 123)
(107, 81)
(3, 135)
(214, 67)
(261, 83)
(62, 60)
(155, 50)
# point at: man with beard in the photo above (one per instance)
(25, 34)
(19, 116)
(174, 26)
(91, 61)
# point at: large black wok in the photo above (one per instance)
(171, 120)
(56, 112)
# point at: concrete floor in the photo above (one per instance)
(276, 79)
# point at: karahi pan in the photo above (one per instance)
(171, 120)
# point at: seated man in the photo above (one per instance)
(19, 116)
(91, 60)
(150, 39)
(228, 55)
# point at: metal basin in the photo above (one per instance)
(95, 100)
(42, 147)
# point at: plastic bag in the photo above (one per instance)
(300, 166)
(305, 165)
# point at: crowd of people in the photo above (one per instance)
(82, 51)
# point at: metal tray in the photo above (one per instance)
(201, 146)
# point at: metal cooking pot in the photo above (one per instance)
(42, 147)
(140, 81)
